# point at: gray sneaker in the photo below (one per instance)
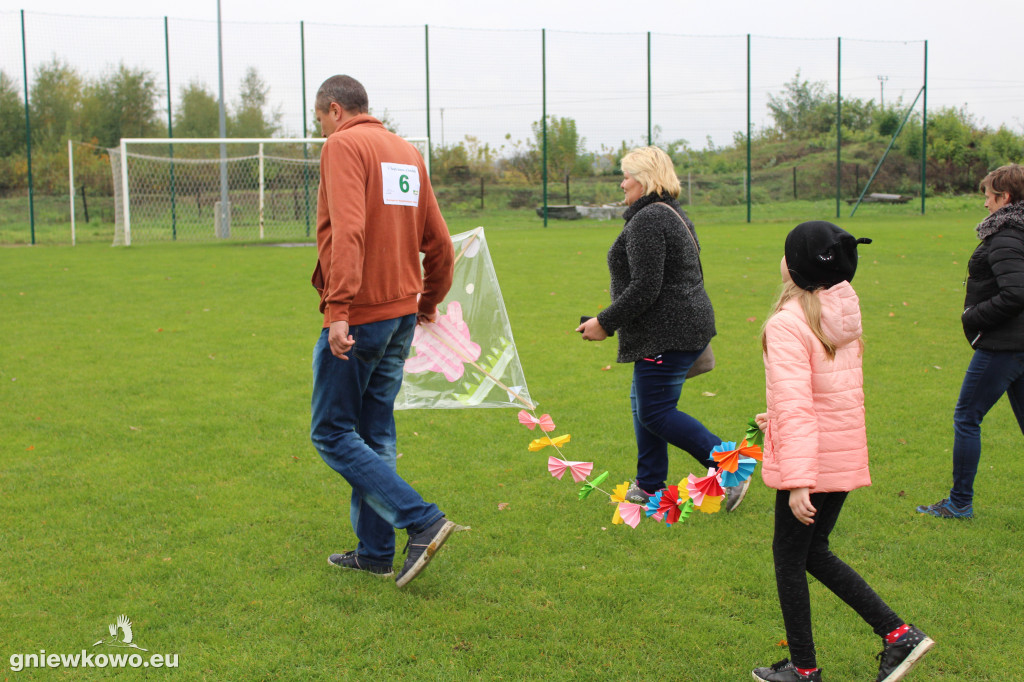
(421, 548)
(735, 495)
(636, 495)
(352, 561)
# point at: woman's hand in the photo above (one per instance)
(800, 505)
(592, 330)
(762, 421)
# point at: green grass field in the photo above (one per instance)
(155, 461)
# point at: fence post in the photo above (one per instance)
(426, 60)
(924, 129)
(225, 229)
(28, 135)
(650, 125)
(746, 178)
(544, 118)
(170, 131)
(305, 131)
(839, 122)
(71, 187)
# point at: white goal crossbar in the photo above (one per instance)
(121, 177)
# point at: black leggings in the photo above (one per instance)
(798, 548)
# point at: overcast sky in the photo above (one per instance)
(973, 58)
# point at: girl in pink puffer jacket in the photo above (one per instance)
(815, 448)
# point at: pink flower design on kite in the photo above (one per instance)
(443, 346)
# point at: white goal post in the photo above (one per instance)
(168, 189)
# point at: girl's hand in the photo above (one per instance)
(592, 330)
(762, 421)
(800, 505)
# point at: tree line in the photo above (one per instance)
(122, 102)
(129, 102)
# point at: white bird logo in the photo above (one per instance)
(125, 626)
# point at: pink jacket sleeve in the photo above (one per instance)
(790, 399)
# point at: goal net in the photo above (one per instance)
(203, 189)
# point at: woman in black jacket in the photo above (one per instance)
(993, 320)
(663, 317)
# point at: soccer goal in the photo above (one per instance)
(202, 189)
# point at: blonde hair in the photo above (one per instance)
(653, 169)
(811, 305)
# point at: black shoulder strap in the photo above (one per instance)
(686, 229)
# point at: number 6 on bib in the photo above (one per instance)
(401, 184)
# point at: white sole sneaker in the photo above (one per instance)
(735, 495)
(428, 553)
(910, 661)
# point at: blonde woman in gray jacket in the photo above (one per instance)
(663, 318)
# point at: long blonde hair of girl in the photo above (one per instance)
(811, 305)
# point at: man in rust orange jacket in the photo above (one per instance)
(376, 213)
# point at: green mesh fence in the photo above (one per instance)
(480, 96)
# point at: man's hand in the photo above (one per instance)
(800, 505)
(426, 318)
(592, 330)
(340, 340)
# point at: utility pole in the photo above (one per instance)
(881, 86)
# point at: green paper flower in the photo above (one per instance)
(754, 435)
(590, 486)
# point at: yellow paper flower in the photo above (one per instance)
(541, 443)
(711, 505)
(619, 495)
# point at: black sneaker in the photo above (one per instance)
(897, 658)
(784, 671)
(351, 560)
(421, 548)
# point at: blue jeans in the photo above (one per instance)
(657, 384)
(989, 376)
(353, 429)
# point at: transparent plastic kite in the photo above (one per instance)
(467, 356)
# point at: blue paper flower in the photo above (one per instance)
(744, 469)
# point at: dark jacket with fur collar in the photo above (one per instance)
(993, 317)
(657, 289)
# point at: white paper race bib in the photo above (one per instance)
(401, 184)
